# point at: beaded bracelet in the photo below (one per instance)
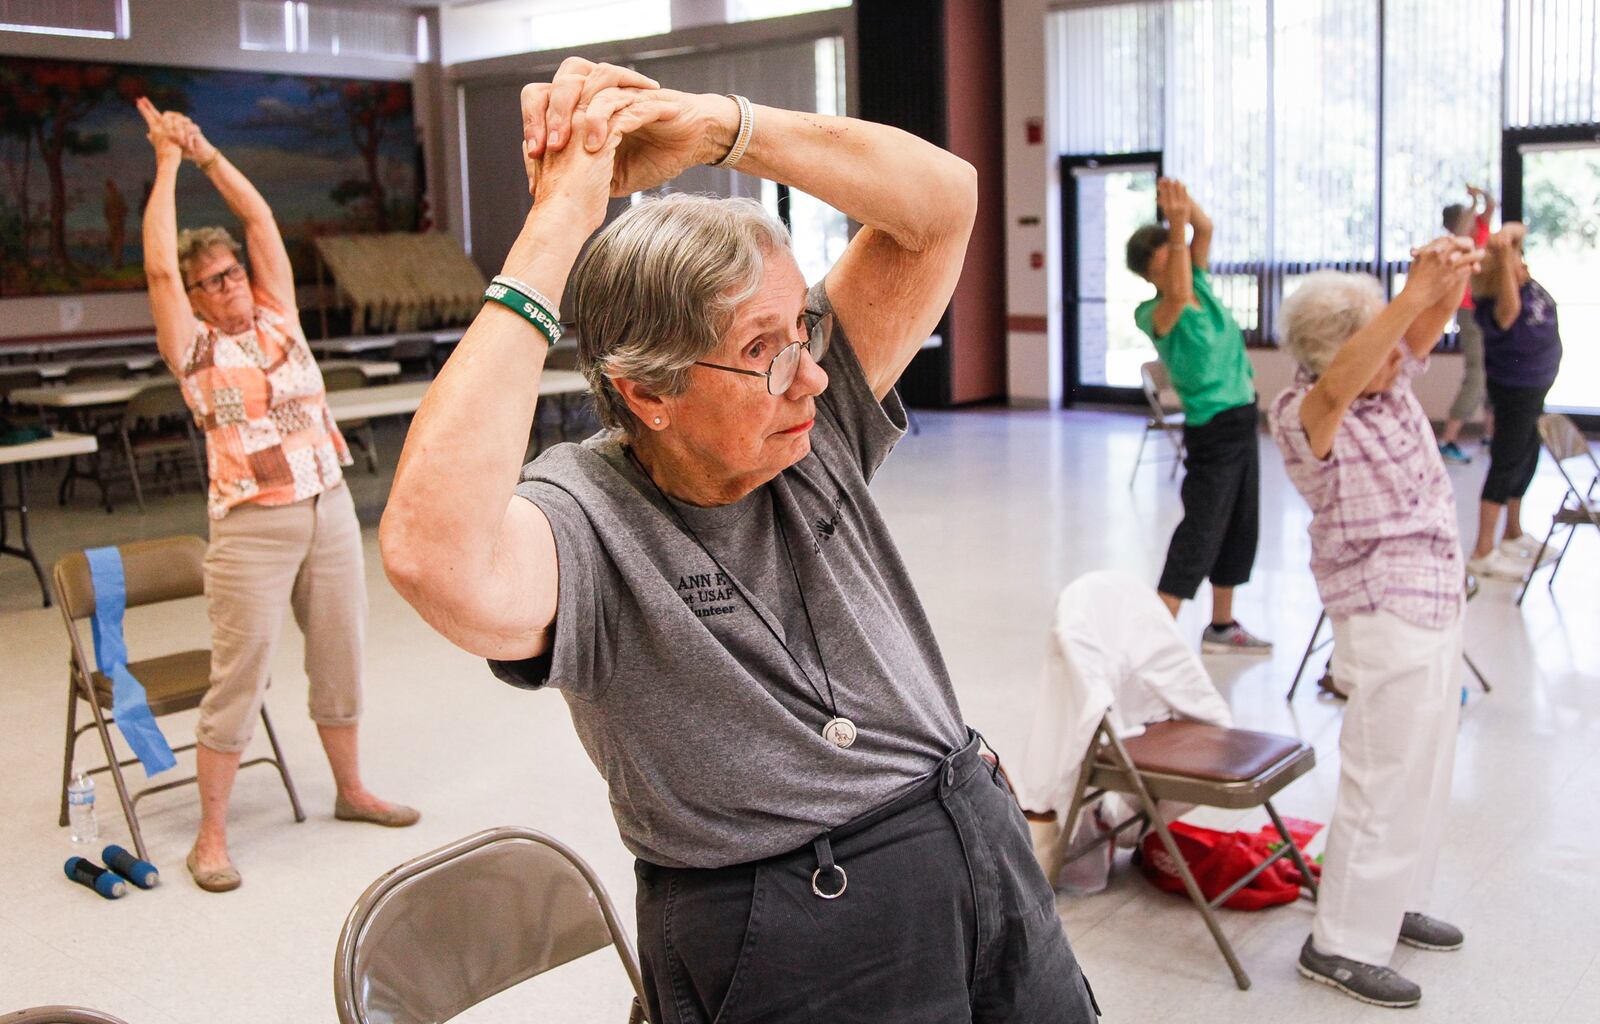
(526, 308)
(529, 291)
(741, 142)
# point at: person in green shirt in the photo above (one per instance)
(1203, 350)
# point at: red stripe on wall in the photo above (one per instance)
(1023, 324)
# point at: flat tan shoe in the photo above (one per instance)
(219, 880)
(397, 816)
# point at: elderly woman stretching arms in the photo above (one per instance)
(283, 529)
(710, 585)
(1387, 559)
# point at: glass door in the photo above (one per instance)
(1107, 197)
(1560, 203)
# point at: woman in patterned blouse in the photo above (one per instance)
(1386, 555)
(284, 533)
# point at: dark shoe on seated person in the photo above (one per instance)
(394, 816)
(1426, 932)
(1380, 986)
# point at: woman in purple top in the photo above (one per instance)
(1522, 354)
(1387, 559)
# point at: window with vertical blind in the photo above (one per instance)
(801, 75)
(1318, 133)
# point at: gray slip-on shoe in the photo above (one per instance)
(1379, 986)
(1426, 932)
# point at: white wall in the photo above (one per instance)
(198, 34)
(1034, 361)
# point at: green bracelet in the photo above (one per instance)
(526, 308)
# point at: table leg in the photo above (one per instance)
(26, 550)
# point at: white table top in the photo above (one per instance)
(51, 371)
(367, 343)
(398, 399)
(115, 392)
(57, 447)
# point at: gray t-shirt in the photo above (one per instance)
(709, 737)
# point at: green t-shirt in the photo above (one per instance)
(1204, 354)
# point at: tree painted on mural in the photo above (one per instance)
(44, 104)
(371, 110)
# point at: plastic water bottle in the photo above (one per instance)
(80, 810)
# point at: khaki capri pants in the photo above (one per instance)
(263, 561)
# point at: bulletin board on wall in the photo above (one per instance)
(330, 155)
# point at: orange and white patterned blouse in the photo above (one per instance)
(270, 437)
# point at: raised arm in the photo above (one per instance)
(1483, 204)
(1438, 273)
(270, 270)
(915, 201)
(477, 562)
(1177, 282)
(1505, 246)
(169, 301)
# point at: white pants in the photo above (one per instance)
(1396, 753)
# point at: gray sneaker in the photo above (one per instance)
(1426, 932)
(1380, 986)
(1232, 639)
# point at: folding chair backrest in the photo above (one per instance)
(1562, 437)
(12, 380)
(60, 1015)
(452, 928)
(102, 371)
(1157, 383)
(343, 378)
(406, 349)
(153, 401)
(165, 569)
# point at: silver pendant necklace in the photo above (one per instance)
(838, 730)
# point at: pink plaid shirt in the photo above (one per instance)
(1383, 516)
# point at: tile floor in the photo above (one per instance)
(995, 511)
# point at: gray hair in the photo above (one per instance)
(1325, 310)
(658, 288)
(195, 243)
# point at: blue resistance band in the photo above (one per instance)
(129, 706)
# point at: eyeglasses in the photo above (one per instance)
(781, 372)
(213, 284)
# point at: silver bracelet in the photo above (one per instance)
(741, 142)
(528, 290)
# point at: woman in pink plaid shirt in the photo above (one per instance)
(1387, 559)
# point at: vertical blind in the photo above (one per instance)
(1550, 63)
(1319, 133)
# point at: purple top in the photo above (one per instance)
(1528, 353)
(1383, 516)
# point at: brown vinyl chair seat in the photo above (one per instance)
(172, 682)
(1207, 751)
(1193, 762)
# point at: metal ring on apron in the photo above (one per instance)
(844, 883)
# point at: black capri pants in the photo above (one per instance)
(1221, 505)
(929, 909)
(1514, 451)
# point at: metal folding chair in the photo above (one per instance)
(1194, 763)
(60, 1015)
(348, 378)
(451, 928)
(1316, 644)
(1165, 416)
(1563, 440)
(167, 569)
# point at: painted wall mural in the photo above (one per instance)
(331, 155)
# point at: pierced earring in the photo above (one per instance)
(658, 421)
